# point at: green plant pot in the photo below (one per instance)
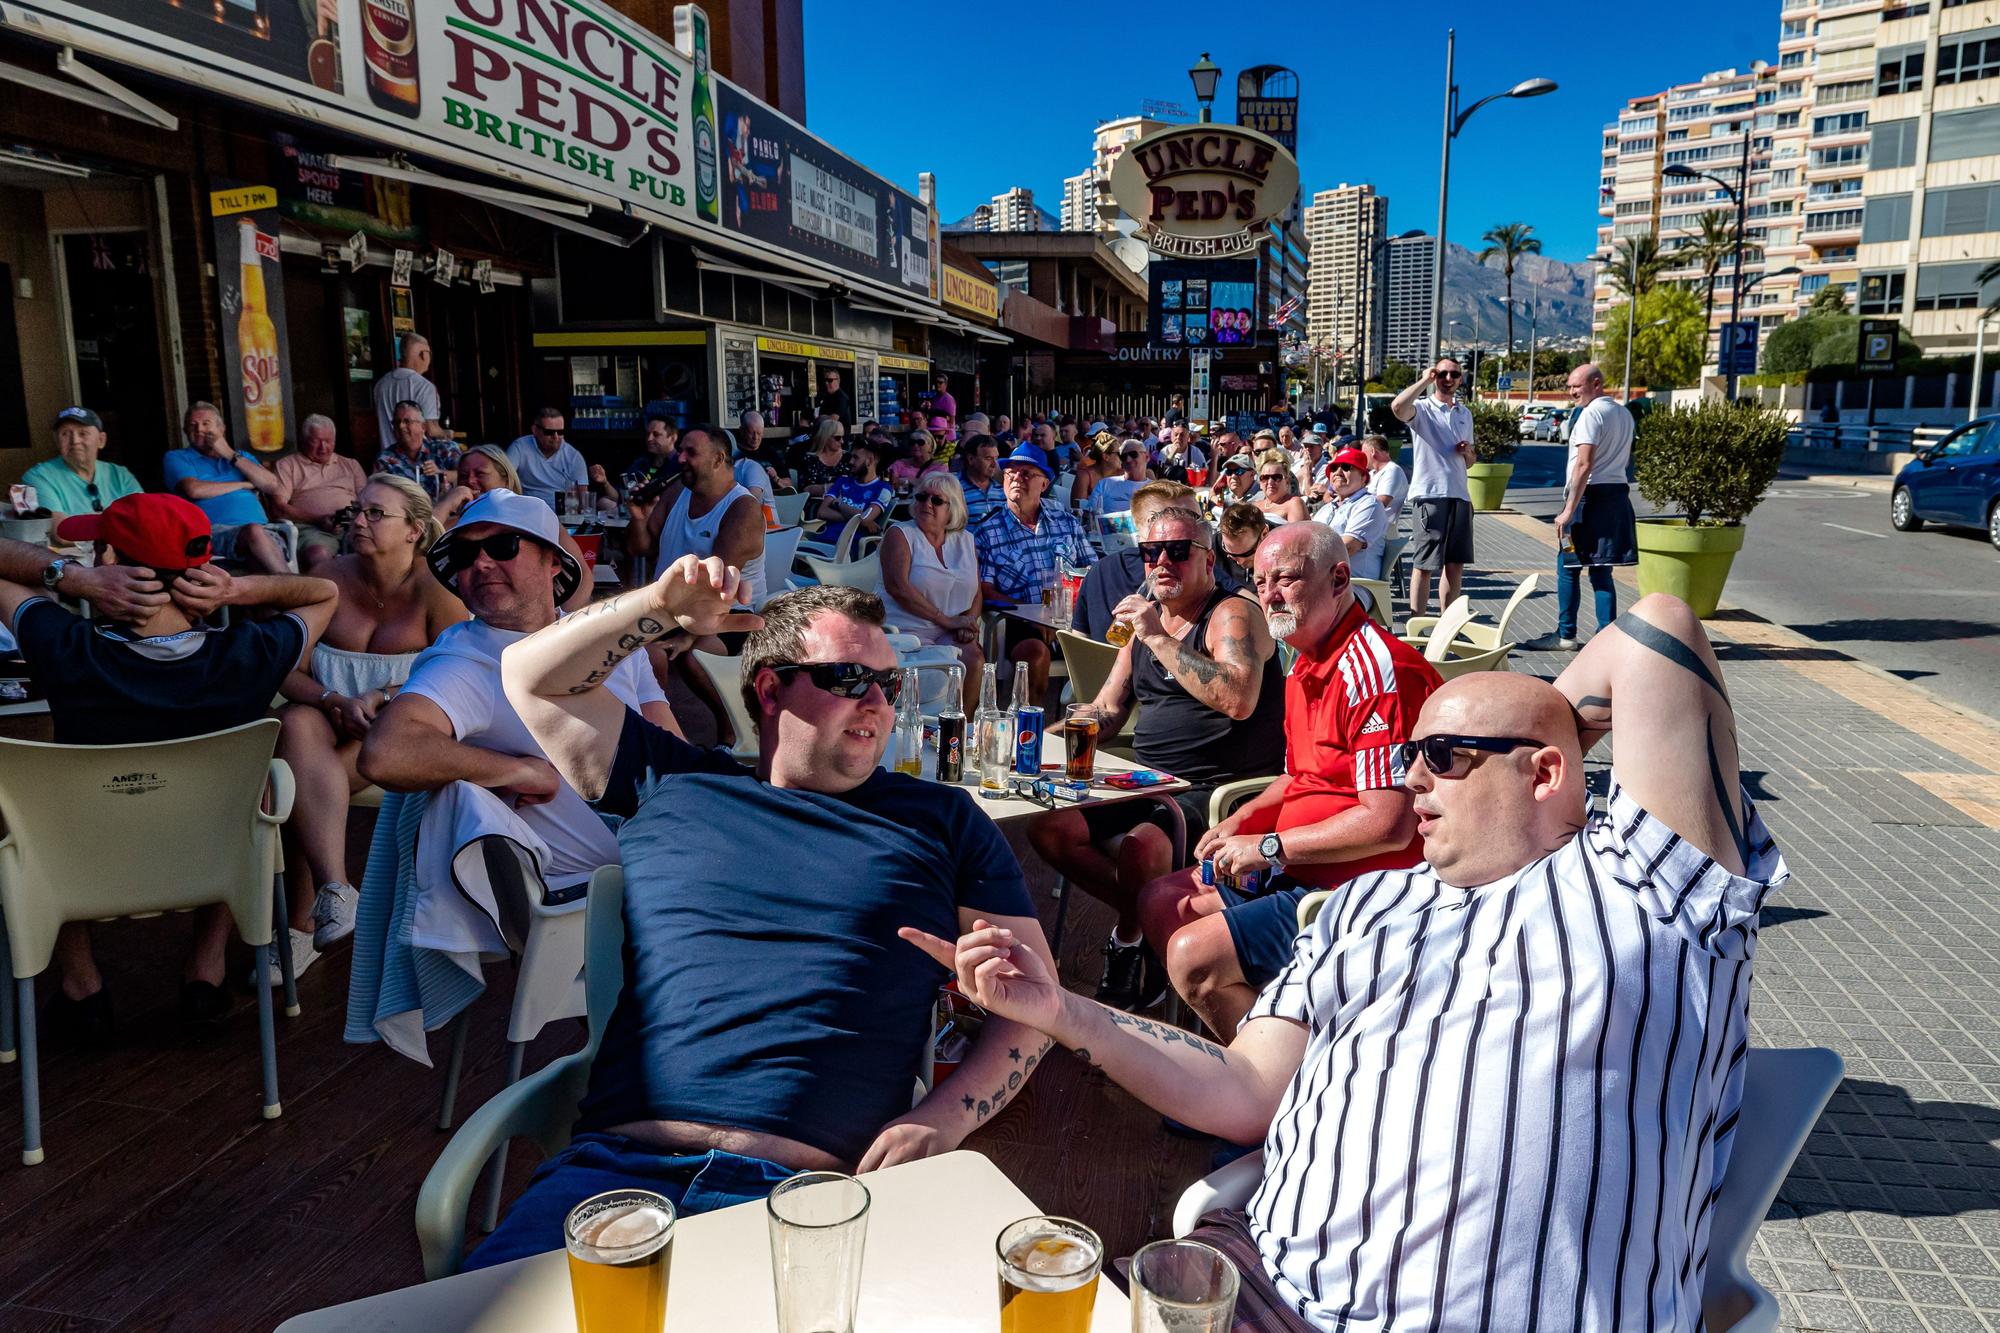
(1690, 563)
(1488, 484)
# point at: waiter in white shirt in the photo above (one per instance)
(1440, 501)
(1596, 528)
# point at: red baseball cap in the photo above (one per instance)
(1352, 458)
(159, 531)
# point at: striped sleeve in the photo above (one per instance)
(1381, 710)
(1681, 888)
(1285, 997)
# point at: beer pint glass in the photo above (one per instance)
(621, 1245)
(1048, 1275)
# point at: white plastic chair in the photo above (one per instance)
(726, 674)
(863, 573)
(192, 830)
(779, 548)
(1064, 490)
(1784, 1092)
(840, 549)
(1482, 636)
(1436, 644)
(789, 510)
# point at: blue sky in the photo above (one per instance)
(994, 95)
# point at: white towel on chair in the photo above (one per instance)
(456, 909)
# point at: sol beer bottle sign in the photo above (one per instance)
(254, 345)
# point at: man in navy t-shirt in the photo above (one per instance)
(771, 1021)
(148, 668)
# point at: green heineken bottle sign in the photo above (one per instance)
(691, 35)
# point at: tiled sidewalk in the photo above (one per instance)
(1885, 947)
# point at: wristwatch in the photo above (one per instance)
(1272, 850)
(53, 571)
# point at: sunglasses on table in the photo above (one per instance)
(1441, 754)
(462, 551)
(848, 680)
(1176, 550)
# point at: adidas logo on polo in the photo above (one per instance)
(1375, 724)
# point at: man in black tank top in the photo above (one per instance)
(1204, 670)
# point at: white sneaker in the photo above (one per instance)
(333, 913)
(304, 955)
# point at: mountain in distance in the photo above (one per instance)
(1475, 294)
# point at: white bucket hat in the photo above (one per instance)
(525, 514)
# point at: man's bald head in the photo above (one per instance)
(1498, 811)
(1586, 382)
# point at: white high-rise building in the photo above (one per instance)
(1015, 211)
(1407, 314)
(1346, 228)
(1079, 201)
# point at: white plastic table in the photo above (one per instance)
(929, 1264)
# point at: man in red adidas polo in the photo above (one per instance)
(1339, 811)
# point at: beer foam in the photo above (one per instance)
(1051, 1256)
(623, 1229)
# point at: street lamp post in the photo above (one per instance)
(1454, 121)
(1739, 194)
(1204, 74)
(1979, 365)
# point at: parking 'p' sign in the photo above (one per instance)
(1878, 345)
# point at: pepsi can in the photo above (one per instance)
(951, 748)
(1208, 872)
(1028, 741)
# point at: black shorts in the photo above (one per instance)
(1263, 928)
(1108, 819)
(1440, 533)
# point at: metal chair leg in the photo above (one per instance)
(283, 934)
(31, 1078)
(454, 1064)
(489, 1217)
(6, 999)
(267, 1036)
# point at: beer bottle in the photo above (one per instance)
(951, 729)
(389, 48)
(707, 178)
(257, 351)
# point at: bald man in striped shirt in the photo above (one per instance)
(1498, 1090)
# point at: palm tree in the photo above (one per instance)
(1510, 241)
(1711, 250)
(1640, 256)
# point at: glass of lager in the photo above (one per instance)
(1048, 1275)
(1182, 1286)
(621, 1245)
(818, 1221)
(1080, 727)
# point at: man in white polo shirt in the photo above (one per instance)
(1596, 528)
(1499, 1089)
(1440, 501)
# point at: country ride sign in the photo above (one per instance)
(1205, 191)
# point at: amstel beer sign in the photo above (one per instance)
(1205, 191)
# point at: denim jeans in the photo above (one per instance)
(595, 1163)
(1569, 595)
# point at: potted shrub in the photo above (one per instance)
(1711, 464)
(1496, 434)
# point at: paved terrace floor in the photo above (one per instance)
(166, 1204)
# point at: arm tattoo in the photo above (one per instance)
(1203, 669)
(984, 1109)
(1165, 1034)
(1722, 796)
(1645, 632)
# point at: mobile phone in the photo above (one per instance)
(1136, 779)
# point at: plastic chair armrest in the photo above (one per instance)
(527, 1109)
(1419, 628)
(1224, 799)
(282, 791)
(1231, 1187)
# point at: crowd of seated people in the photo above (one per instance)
(448, 641)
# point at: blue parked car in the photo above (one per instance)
(1955, 482)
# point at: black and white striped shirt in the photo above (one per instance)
(1516, 1101)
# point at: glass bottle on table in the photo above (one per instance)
(993, 736)
(951, 729)
(909, 756)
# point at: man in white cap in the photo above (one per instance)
(451, 723)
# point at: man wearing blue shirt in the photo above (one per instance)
(769, 1022)
(228, 486)
(76, 481)
(1019, 544)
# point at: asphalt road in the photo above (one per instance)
(1822, 559)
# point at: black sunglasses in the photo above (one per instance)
(929, 498)
(1241, 557)
(1449, 374)
(1175, 550)
(1440, 753)
(849, 680)
(502, 546)
(96, 500)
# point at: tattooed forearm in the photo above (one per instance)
(1166, 1034)
(984, 1108)
(1204, 670)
